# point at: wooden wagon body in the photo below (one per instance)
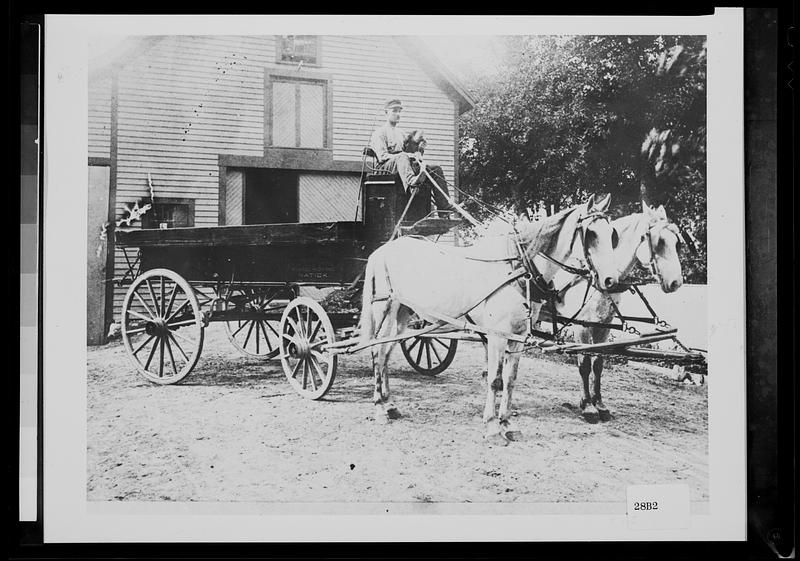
(251, 277)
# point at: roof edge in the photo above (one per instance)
(439, 72)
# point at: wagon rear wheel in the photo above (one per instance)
(305, 331)
(259, 336)
(162, 327)
(429, 355)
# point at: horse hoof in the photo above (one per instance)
(496, 439)
(393, 413)
(590, 413)
(513, 435)
(604, 414)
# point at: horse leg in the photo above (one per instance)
(597, 400)
(588, 409)
(382, 314)
(494, 353)
(398, 320)
(510, 366)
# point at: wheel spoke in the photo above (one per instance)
(171, 299)
(135, 331)
(174, 340)
(176, 334)
(146, 307)
(311, 373)
(153, 296)
(171, 357)
(296, 368)
(414, 344)
(419, 354)
(183, 323)
(428, 353)
(316, 330)
(249, 332)
(161, 302)
(138, 315)
(161, 357)
(266, 338)
(258, 336)
(139, 348)
(299, 327)
(297, 331)
(178, 309)
(305, 374)
(318, 367)
(150, 356)
(430, 344)
(444, 345)
(241, 326)
(271, 328)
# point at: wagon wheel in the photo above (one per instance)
(162, 327)
(257, 337)
(428, 355)
(305, 329)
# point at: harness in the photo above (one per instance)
(619, 288)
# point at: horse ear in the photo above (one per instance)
(590, 201)
(661, 212)
(647, 209)
(602, 205)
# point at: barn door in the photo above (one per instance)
(97, 248)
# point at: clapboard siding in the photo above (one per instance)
(188, 99)
(99, 94)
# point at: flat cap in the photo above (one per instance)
(393, 103)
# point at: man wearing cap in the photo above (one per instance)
(387, 143)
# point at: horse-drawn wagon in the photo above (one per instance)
(426, 296)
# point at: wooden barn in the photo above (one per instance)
(232, 130)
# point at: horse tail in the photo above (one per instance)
(366, 324)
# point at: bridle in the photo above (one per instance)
(650, 234)
(544, 289)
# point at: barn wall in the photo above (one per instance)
(187, 100)
(99, 94)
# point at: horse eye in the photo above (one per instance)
(590, 238)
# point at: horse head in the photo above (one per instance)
(584, 229)
(599, 238)
(659, 251)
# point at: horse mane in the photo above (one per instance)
(542, 235)
(537, 235)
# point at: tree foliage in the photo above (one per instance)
(568, 115)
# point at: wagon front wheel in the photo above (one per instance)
(429, 355)
(305, 332)
(162, 327)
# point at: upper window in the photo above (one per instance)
(297, 112)
(298, 48)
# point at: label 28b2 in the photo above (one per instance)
(645, 505)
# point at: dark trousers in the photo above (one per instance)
(407, 169)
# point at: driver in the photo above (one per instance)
(387, 143)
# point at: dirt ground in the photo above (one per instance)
(234, 430)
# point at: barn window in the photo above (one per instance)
(298, 48)
(169, 213)
(297, 112)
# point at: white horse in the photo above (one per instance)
(648, 238)
(475, 283)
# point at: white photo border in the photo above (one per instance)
(70, 518)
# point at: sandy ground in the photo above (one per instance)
(234, 430)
